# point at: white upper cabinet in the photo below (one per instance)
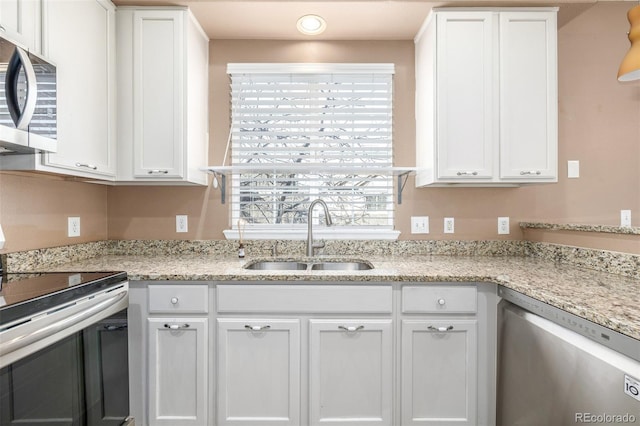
(528, 96)
(486, 97)
(162, 96)
(86, 85)
(20, 22)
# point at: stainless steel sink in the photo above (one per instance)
(311, 265)
(341, 266)
(277, 265)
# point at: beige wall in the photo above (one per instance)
(34, 210)
(598, 125)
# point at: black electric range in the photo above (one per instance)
(26, 294)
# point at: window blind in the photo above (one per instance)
(312, 132)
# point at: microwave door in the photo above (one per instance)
(21, 89)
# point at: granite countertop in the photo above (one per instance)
(607, 299)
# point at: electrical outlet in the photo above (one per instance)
(625, 217)
(182, 223)
(73, 227)
(448, 225)
(419, 224)
(503, 225)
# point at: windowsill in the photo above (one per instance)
(319, 233)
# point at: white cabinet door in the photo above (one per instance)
(439, 372)
(178, 375)
(158, 93)
(465, 95)
(163, 64)
(528, 96)
(20, 22)
(258, 372)
(350, 372)
(79, 38)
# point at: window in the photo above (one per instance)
(306, 131)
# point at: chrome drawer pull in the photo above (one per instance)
(467, 173)
(351, 329)
(176, 326)
(440, 329)
(257, 327)
(530, 172)
(88, 166)
(156, 171)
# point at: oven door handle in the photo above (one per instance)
(21, 341)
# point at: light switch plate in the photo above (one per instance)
(573, 169)
(419, 224)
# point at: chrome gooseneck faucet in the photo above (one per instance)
(327, 217)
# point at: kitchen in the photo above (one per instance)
(597, 126)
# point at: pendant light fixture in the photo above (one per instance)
(630, 66)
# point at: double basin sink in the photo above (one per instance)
(309, 265)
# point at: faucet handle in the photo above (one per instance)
(318, 244)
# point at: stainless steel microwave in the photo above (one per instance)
(28, 107)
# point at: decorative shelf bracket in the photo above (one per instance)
(400, 173)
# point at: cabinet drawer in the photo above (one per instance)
(439, 299)
(304, 299)
(178, 299)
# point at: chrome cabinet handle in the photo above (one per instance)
(88, 166)
(351, 329)
(529, 172)
(467, 173)
(174, 300)
(176, 326)
(442, 302)
(440, 329)
(257, 327)
(157, 171)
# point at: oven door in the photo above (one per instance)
(81, 379)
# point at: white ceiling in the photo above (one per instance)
(346, 19)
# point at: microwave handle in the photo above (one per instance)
(21, 118)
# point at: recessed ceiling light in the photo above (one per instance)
(311, 24)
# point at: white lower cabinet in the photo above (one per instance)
(350, 371)
(258, 371)
(177, 371)
(439, 371)
(312, 354)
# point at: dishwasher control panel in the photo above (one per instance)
(603, 335)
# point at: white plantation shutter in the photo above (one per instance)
(306, 131)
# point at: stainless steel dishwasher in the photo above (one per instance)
(555, 368)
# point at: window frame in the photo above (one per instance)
(290, 231)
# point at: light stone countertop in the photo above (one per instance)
(607, 299)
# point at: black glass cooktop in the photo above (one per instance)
(25, 294)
